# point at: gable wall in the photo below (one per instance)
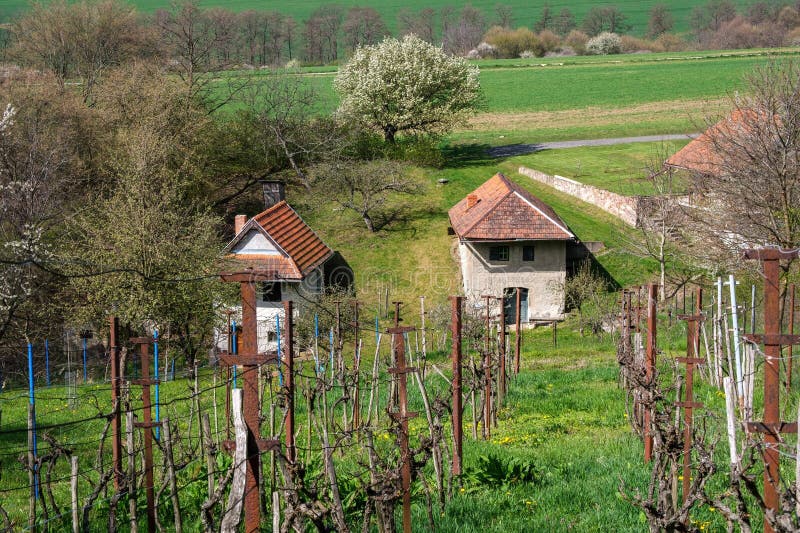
(544, 277)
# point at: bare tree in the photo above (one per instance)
(660, 225)
(608, 18)
(81, 40)
(369, 189)
(419, 24)
(545, 21)
(746, 167)
(660, 21)
(504, 14)
(321, 34)
(466, 33)
(363, 26)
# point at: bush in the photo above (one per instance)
(548, 42)
(604, 44)
(577, 40)
(511, 43)
(669, 42)
(632, 45)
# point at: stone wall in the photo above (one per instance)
(625, 208)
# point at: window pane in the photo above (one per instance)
(498, 253)
(527, 253)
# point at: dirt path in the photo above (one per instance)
(523, 149)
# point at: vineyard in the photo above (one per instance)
(359, 417)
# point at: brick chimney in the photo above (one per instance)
(238, 223)
(472, 199)
(274, 192)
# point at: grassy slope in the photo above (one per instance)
(525, 13)
(620, 168)
(415, 258)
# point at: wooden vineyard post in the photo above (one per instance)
(357, 368)
(688, 404)
(76, 525)
(772, 340)
(518, 330)
(456, 303)
(650, 362)
(147, 425)
(116, 421)
(402, 416)
(289, 380)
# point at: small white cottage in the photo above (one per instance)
(508, 238)
(284, 258)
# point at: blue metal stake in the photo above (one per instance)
(234, 353)
(278, 336)
(47, 361)
(84, 359)
(172, 372)
(316, 344)
(278, 333)
(330, 340)
(32, 401)
(155, 356)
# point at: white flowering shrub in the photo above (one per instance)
(604, 44)
(407, 85)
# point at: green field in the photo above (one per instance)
(609, 83)
(525, 13)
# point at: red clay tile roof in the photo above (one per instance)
(700, 154)
(505, 211)
(304, 248)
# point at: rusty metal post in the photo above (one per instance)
(228, 379)
(147, 425)
(772, 340)
(691, 359)
(501, 382)
(288, 324)
(791, 332)
(518, 330)
(456, 304)
(487, 375)
(401, 370)
(116, 421)
(650, 364)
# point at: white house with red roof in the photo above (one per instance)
(284, 256)
(508, 238)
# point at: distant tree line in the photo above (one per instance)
(215, 38)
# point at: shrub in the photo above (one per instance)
(577, 40)
(548, 42)
(632, 45)
(511, 43)
(604, 44)
(669, 42)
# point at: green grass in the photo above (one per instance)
(564, 415)
(525, 13)
(414, 257)
(602, 84)
(620, 168)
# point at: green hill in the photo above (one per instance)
(524, 13)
